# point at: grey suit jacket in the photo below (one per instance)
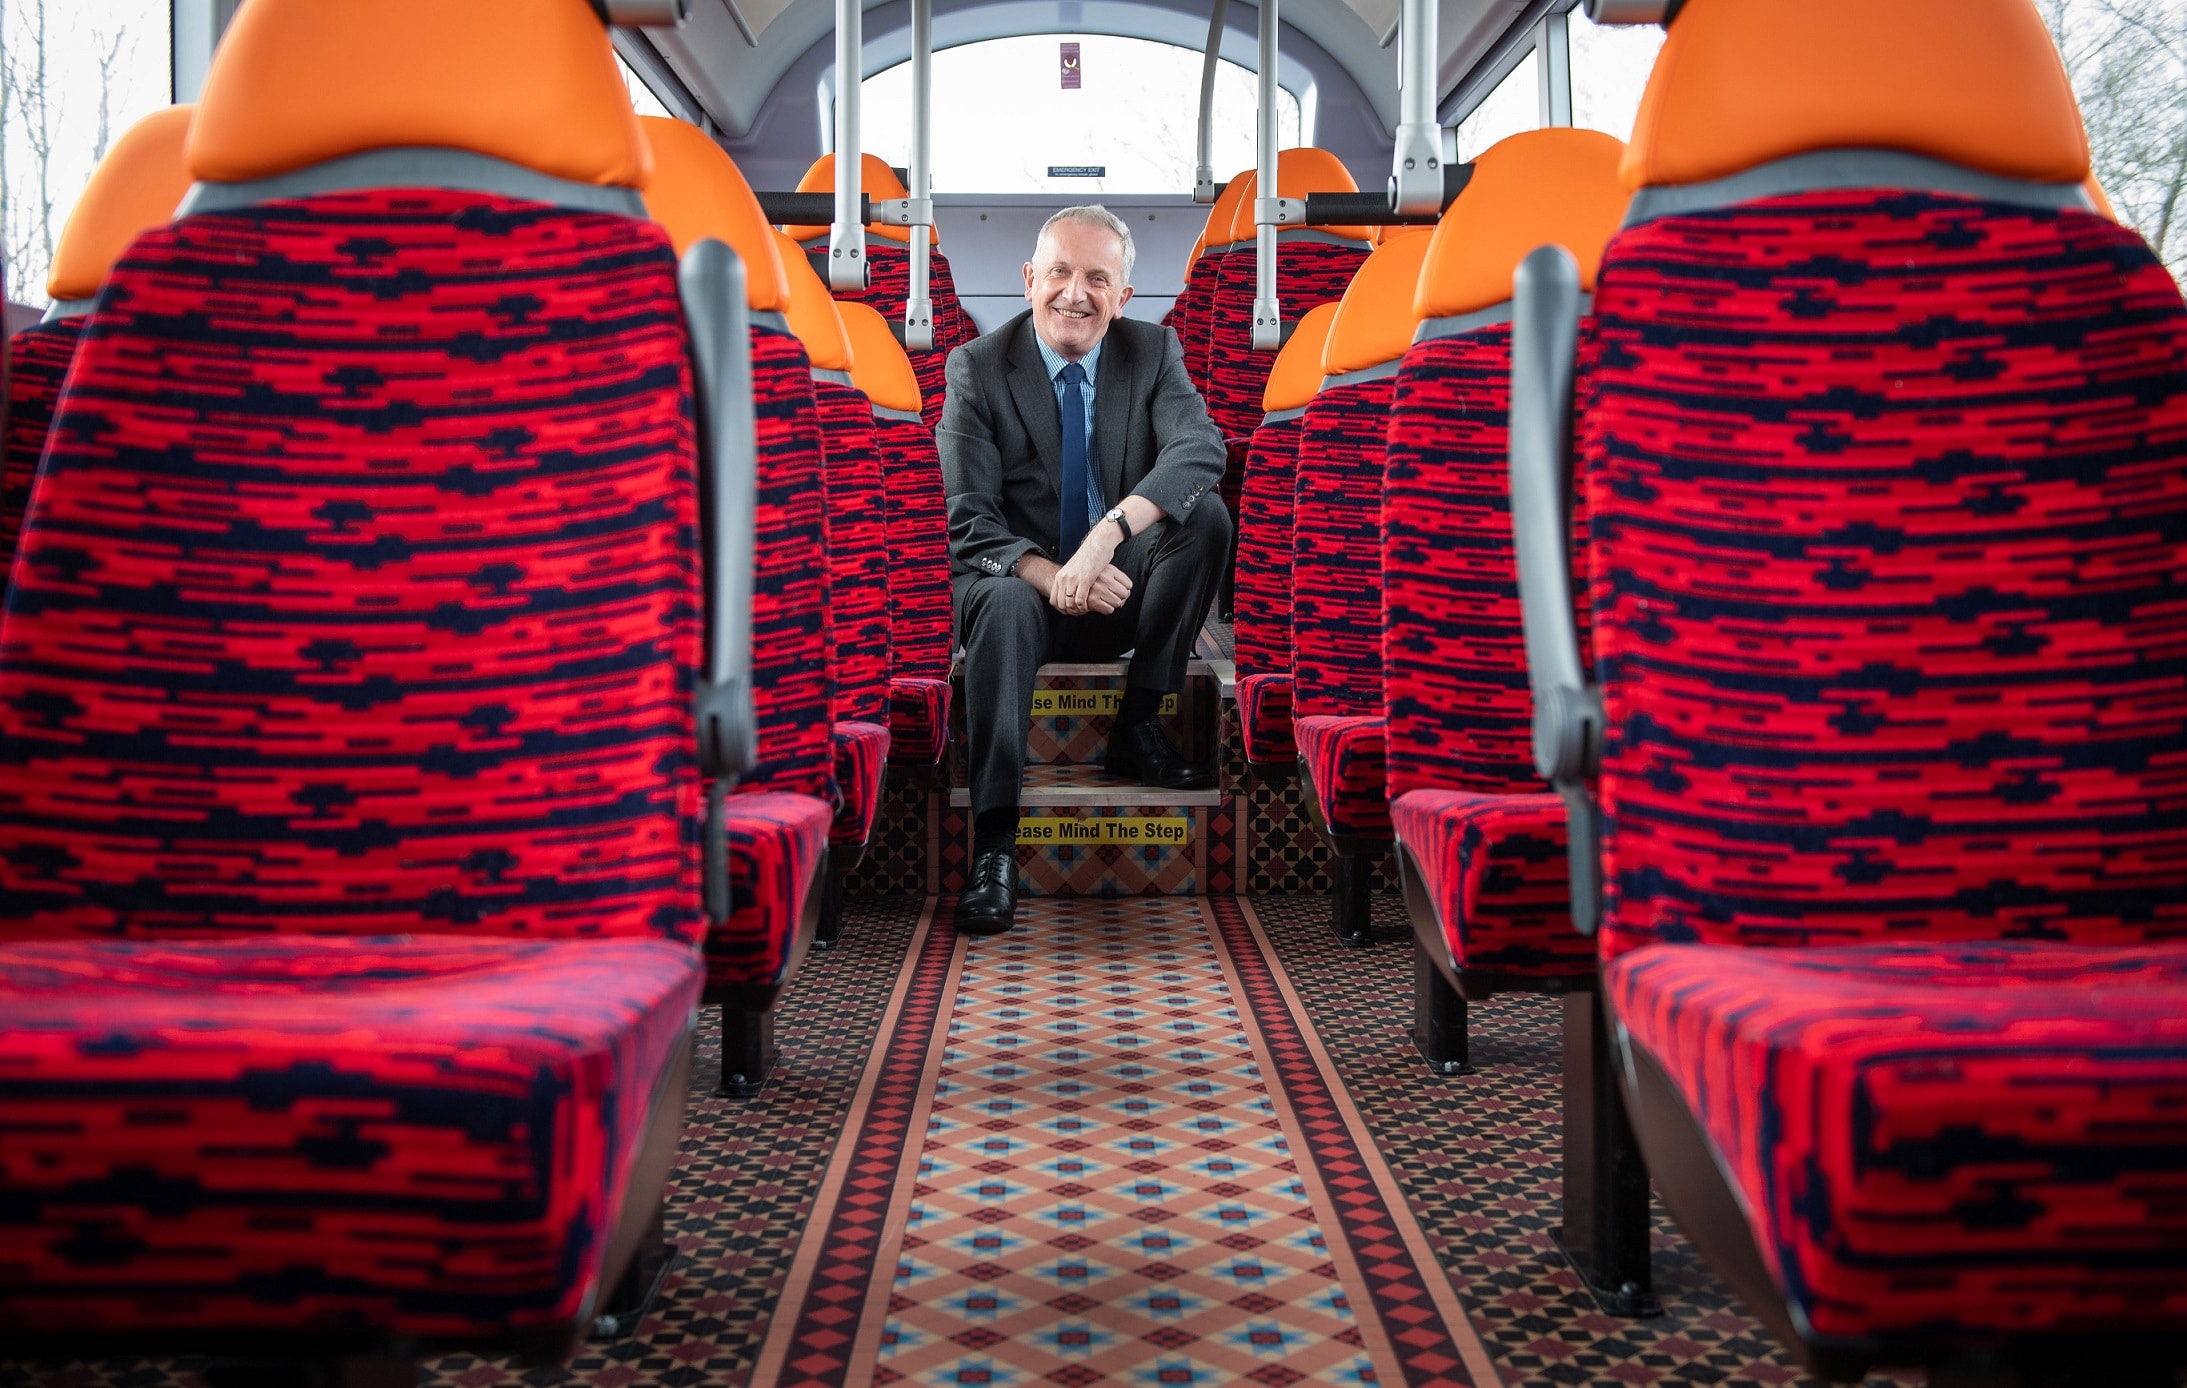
(1001, 439)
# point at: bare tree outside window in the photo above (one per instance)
(2128, 62)
(73, 76)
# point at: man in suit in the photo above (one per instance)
(1084, 522)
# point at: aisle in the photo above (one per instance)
(1108, 1148)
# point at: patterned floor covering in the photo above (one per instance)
(1476, 1158)
(1103, 1149)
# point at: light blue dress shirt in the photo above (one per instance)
(1096, 506)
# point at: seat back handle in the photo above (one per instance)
(1546, 304)
(710, 280)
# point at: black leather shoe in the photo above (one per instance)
(989, 904)
(1144, 753)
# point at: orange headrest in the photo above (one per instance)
(301, 82)
(134, 189)
(1375, 320)
(813, 317)
(1739, 83)
(879, 365)
(875, 179)
(1544, 187)
(1296, 374)
(1221, 214)
(699, 192)
(1298, 172)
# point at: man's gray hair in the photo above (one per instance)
(1093, 214)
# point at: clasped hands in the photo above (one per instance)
(1088, 582)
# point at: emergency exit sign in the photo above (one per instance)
(1070, 67)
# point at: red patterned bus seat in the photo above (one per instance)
(779, 816)
(1481, 838)
(347, 743)
(1266, 499)
(1336, 613)
(917, 517)
(1895, 913)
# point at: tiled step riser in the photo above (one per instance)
(1071, 716)
(1255, 840)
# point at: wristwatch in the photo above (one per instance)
(1116, 513)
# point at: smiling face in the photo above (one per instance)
(1075, 283)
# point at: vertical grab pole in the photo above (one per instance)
(847, 238)
(1267, 312)
(1416, 165)
(1203, 174)
(919, 308)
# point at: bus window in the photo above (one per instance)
(642, 98)
(76, 77)
(1610, 66)
(1003, 119)
(1515, 105)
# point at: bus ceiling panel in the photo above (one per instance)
(738, 57)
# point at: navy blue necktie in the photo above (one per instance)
(1072, 530)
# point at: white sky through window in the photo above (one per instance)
(1002, 117)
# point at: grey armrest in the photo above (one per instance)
(1567, 707)
(711, 282)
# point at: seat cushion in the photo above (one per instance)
(918, 722)
(38, 359)
(425, 1135)
(776, 842)
(1344, 761)
(1264, 720)
(861, 758)
(1494, 868)
(1962, 1135)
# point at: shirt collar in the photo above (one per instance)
(1053, 360)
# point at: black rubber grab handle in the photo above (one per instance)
(1373, 209)
(808, 209)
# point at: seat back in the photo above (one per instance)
(888, 275)
(857, 606)
(1313, 266)
(699, 192)
(916, 509)
(1453, 640)
(1888, 633)
(134, 188)
(1268, 496)
(1336, 569)
(1188, 316)
(379, 610)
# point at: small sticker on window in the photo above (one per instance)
(1071, 67)
(1078, 171)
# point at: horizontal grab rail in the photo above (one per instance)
(808, 209)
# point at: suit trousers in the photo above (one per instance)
(1010, 631)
